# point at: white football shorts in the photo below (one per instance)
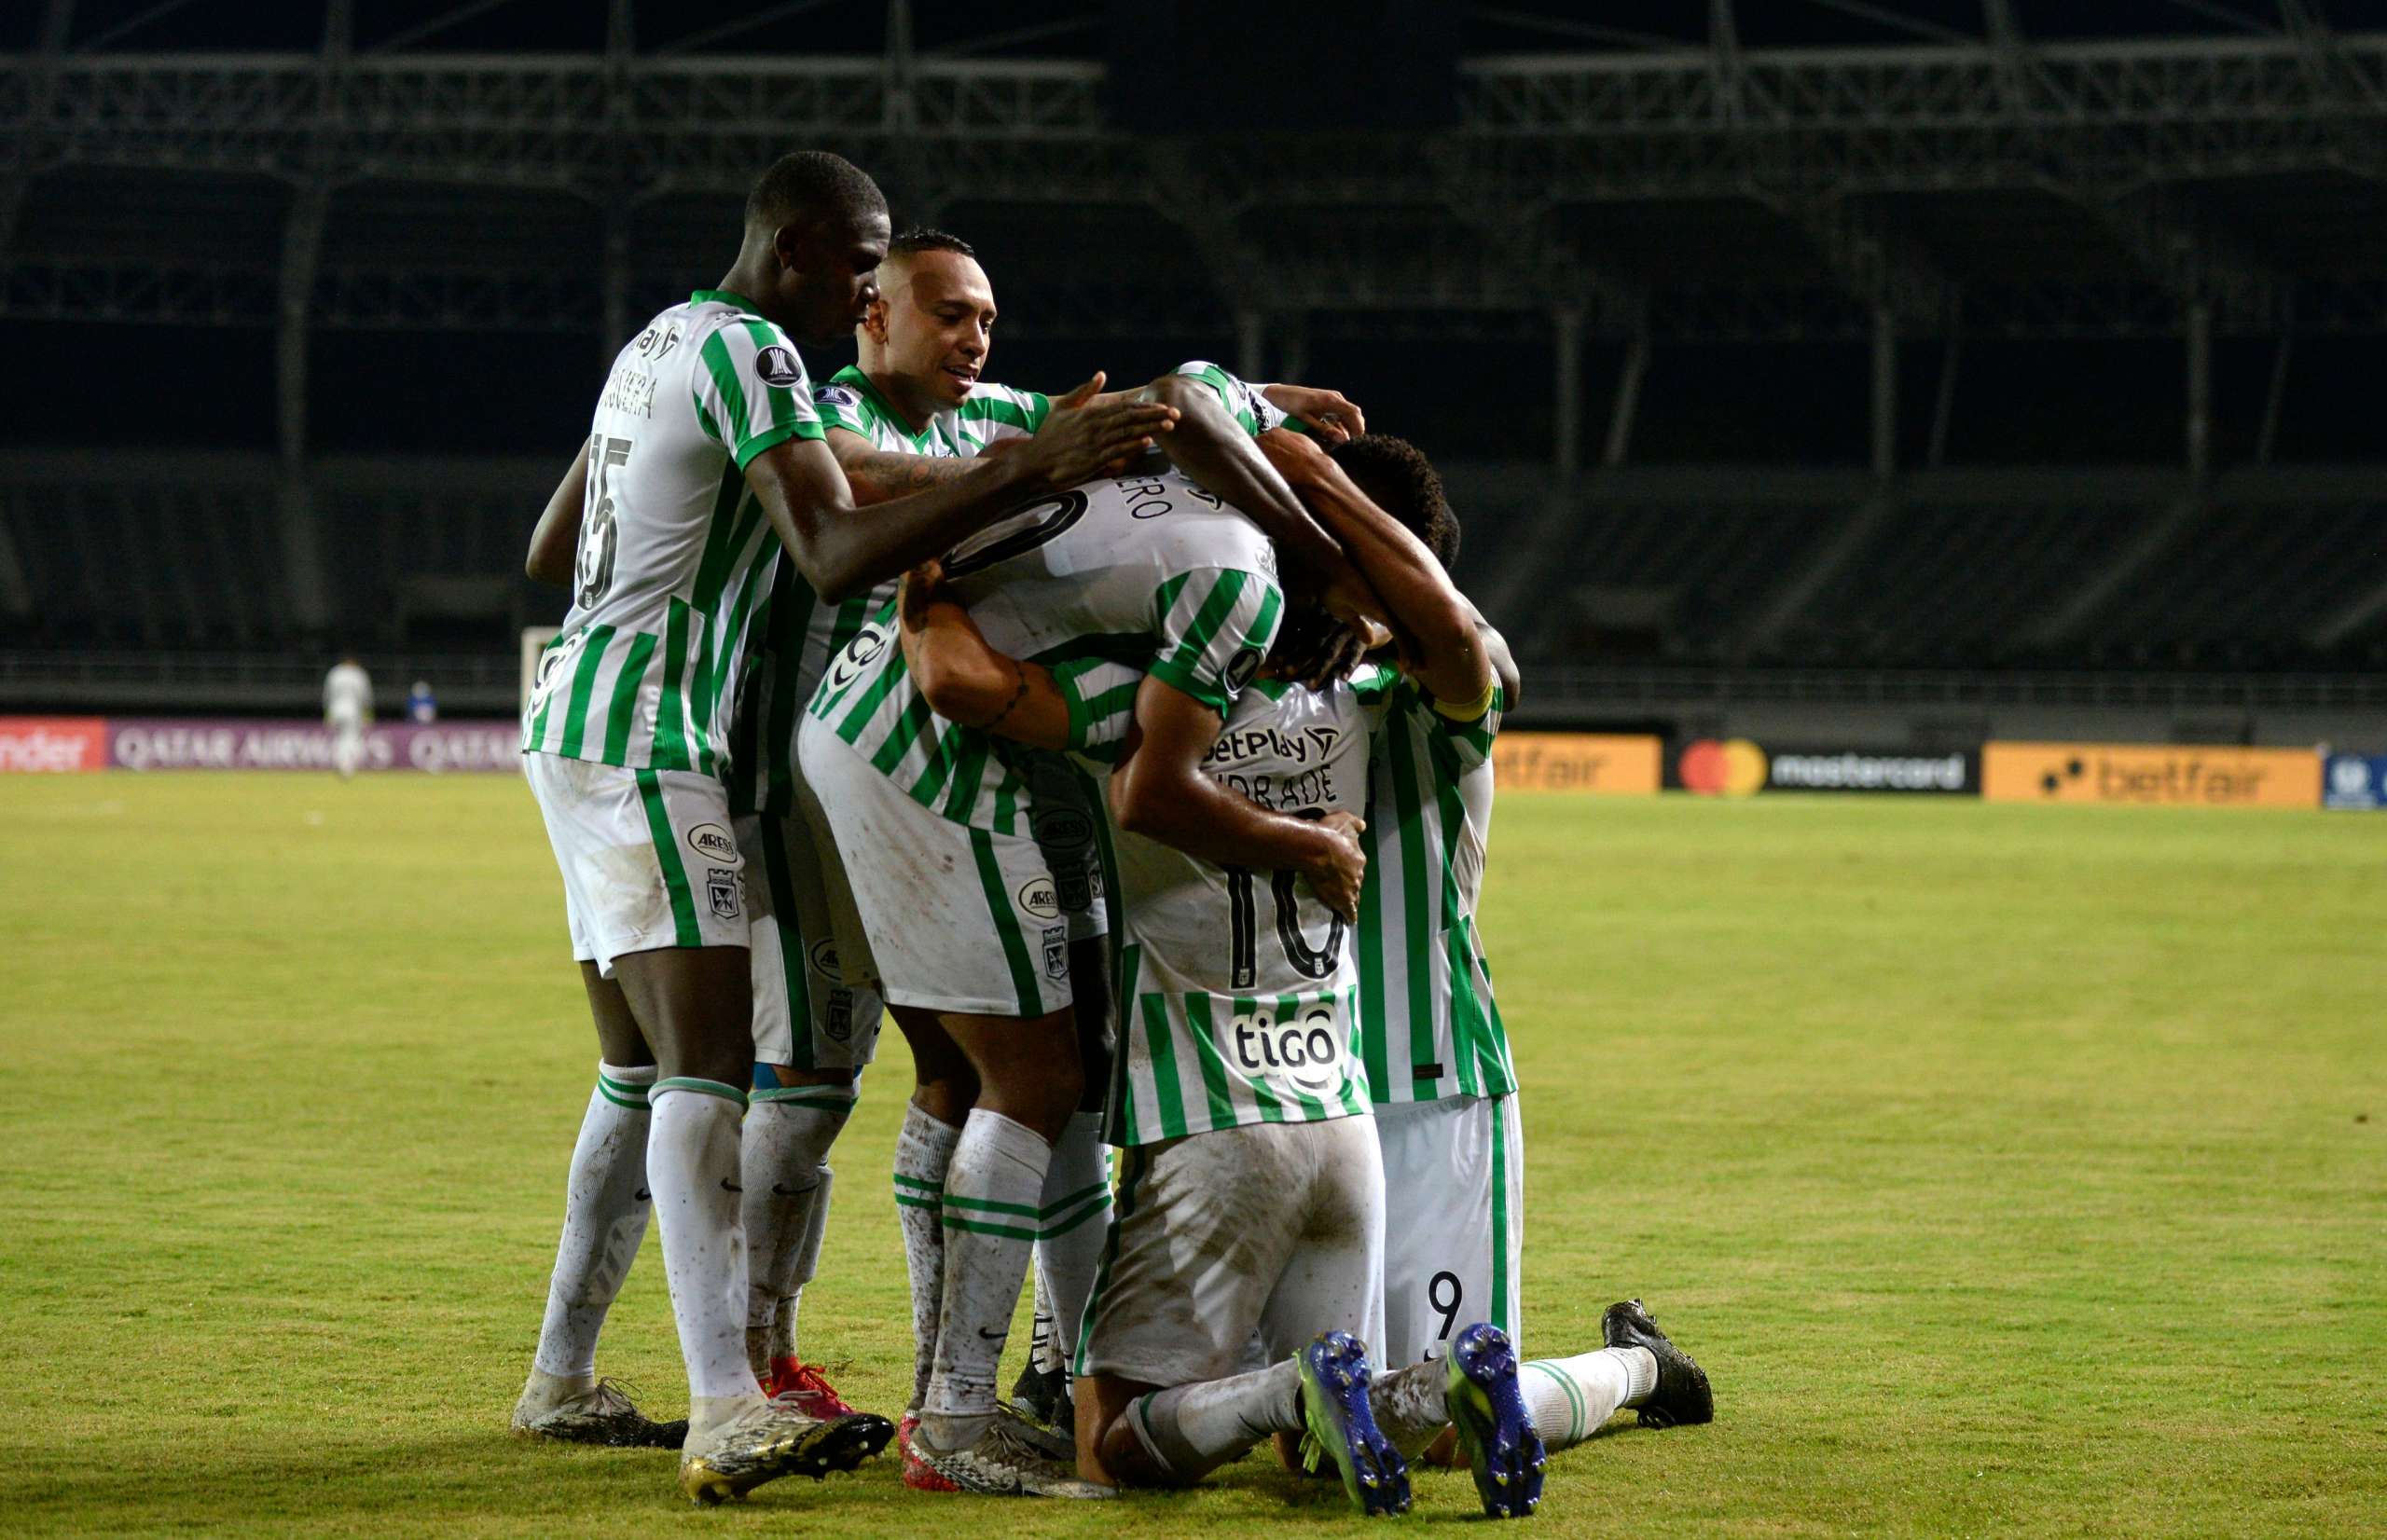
(1273, 1229)
(807, 1013)
(1454, 1169)
(648, 857)
(949, 917)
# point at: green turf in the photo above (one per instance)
(2010, 1168)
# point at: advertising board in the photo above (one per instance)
(1738, 767)
(1599, 764)
(2151, 775)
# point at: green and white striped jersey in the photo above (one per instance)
(1429, 1026)
(800, 634)
(1150, 571)
(674, 552)
(1252, 411)
(1240, 987)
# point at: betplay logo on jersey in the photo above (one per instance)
(778, 366)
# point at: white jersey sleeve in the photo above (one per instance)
(752, 393)
(1212, 628)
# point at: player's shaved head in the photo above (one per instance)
(1400, 479)
(812, 187)
(927, 338)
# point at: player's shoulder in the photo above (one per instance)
(844, 398)
(1168, 522)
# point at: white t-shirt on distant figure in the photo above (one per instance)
(347, 696)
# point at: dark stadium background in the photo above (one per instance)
(1917, 294)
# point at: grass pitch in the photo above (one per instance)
(2011, 1169)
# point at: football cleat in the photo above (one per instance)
(1002, 1462)
(1340, 1427)
(602, 1414)
(1042, 1396)
(771, 1440)
(807, 1387)
(1055, 1442)
(1682, 1395)
(1496, 1435)
(917, 1474)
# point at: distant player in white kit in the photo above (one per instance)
(348, 711)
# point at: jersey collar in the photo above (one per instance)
(721, 296)
(852, 375)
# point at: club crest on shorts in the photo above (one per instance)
(839, 1019)
(777, 366)
(1057, 951)
(722, 892)
(712, 842)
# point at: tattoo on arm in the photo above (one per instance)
(883, 476)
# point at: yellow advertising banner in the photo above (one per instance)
(1603, 765)
(2151, 775)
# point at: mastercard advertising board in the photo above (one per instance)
(1738, 767)
(2151, 775)
(1599, 764)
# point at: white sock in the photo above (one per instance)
(606, 1208)
(692, 1165)
(1193, 1429)
(782, 1148)
(989, 1222)
(924, 1153)
(807, 1262)
(1569, 1398)
(1408, 1404)
(1075, 1207)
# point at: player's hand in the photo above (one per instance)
(1335, 416)
(1080, 437)
(1338, 873)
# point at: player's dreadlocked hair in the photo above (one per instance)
(811, 187)
(920, 238)
(1401, 480)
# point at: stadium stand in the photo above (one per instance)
(1984, 359)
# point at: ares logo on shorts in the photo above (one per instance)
(777, 366)
(1037, 897)
(712, 842)
(1306, 1049)
(1057, 951)
(721, 891)
(823, 956)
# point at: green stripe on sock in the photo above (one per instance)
(1574, 1400)
(988, 1205)
(808, 1095)
(1061, 1228)
(1008, 1232)
(709, 1088)
(1062, 1205)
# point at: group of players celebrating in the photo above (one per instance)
(1132, 752)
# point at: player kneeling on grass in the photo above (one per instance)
(1241, 1098)
(1430, 1033)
